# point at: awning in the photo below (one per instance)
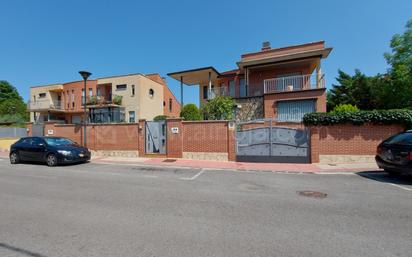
(195, 76)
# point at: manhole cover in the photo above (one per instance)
(169, 160)
(313, 194)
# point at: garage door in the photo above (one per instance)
(295, 110)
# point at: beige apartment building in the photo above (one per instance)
(125, 98)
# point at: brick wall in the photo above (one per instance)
(122, 137)
(349, 139)
(174, 140)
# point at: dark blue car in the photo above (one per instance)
(394, 155)
(49, 150)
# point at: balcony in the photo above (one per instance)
(293, 83)
(104, 100)
(44, 105)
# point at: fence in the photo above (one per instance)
(13, 132)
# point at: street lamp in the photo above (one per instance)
(85, 75)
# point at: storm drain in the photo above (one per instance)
(313, 194)
(169, 160)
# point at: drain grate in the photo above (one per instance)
(169, 160)
(313, 194)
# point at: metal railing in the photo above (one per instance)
(218, 91)
(293, 83)
(104, 99)
(44, 105)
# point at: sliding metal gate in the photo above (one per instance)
(260, 141)
(156, 137)
(37, 130)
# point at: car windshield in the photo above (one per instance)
(401, 139)
(56, 141)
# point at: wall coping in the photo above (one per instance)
(206, 121)
(97, 124)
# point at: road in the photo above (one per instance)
(124, 210)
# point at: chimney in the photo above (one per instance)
(266, 46)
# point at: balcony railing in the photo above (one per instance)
(45, 104)
(104, 99)
(293, 83)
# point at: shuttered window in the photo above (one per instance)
(294, 110)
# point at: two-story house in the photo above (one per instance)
(125, 98)
(282, 83)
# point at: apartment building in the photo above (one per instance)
(281, 83)
(115, 99)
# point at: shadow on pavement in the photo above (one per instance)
(385, 178)
(20, 250)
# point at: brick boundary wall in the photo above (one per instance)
(349, 140)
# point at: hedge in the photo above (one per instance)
(403, 117)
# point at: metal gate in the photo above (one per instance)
(259, 141)
(156, 137)
(37, 130)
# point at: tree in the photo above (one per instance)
(219, 108)
(12, 106)
(190, 112)
(392, 90)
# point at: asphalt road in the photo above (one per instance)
(122, 210)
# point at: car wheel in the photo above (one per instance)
(51, 160)
(14, 158)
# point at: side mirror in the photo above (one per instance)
(41, 145)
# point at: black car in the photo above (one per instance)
(51, 150)
(394, 155)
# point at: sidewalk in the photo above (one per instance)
(241, 166)
(244, 166)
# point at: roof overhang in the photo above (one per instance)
(321, 53)
(195, 76)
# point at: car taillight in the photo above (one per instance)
(410, 156)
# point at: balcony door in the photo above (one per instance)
(232, 88)
(242, 84)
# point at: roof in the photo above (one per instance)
(195, 76)
(308, 50)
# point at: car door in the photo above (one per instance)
(23, 149)
(37, 149)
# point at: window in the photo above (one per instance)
(90, 92)
(232, 88)
(133, 90)
(205, 93)
(68, 99)
(42, 95)
(83, 96)
(170, 104)
(99, 91)
(151, 93)
(164, 103)
(294, 110)
(35, 141)
(132, 118)
(401, 139)
(121, 87)
(242, 85)
(72, 98)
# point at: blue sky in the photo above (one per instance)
(44, 42)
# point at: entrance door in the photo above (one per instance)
(156, 137)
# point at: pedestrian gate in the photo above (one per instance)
(155, 137)
(262, 142)
(37, 130)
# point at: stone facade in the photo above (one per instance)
(251, 108)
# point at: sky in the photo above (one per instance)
(45, 42)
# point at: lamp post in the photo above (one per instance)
(85, 75)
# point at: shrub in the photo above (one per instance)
(401, 116)
(190, 112)
(219, 108)
(117, 99)
(160, 117)
(345, 108)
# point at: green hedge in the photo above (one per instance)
(403, 117)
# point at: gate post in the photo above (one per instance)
(231, 140)
(141, 143)
(174, 138)
(314, 144)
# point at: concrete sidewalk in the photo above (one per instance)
(244, 166)
(241, 166)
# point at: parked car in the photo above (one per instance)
(394, 155)
(49, 150)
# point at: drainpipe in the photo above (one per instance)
(181, 91)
